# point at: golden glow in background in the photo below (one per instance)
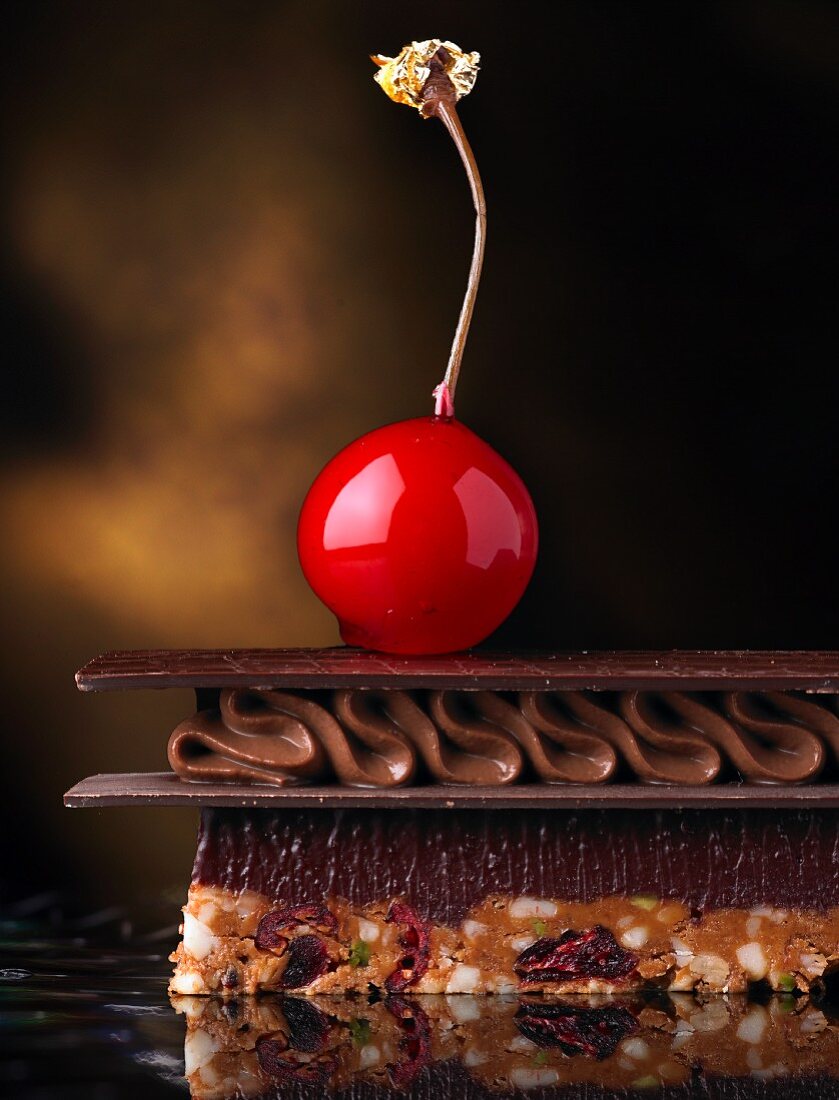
(236, 255)
(223, 233)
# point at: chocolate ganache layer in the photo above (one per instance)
(389, 738)
(444, 864)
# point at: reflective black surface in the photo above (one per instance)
(84, 1012)
(83, 1005)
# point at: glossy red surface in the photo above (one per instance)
(419, 537)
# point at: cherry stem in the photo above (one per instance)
(445, 110)
(443, 404)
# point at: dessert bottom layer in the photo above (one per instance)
(245, 942)
(473, 1047)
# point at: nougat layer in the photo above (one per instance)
(247, 943)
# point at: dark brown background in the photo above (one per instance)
(227, 254)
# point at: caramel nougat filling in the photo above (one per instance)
(245, 943)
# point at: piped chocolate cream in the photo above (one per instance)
(390, 738)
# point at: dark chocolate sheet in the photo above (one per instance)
(168, 789)
(719, 670)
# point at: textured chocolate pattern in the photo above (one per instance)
(448, 862)
(390, 738)
(343, 667)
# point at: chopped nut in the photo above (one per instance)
(710, 1017)
(464, 1009)
(474, 1057)
(199, 1048)
(370, 1056)
(711, 969)
(473, 928)
(635, 937)
(188, 981)
(636, 1049)
(753, 926)
(520, 1044)
(782, 980)
(537, 1078)
(813, 1022)
(464, 979)
(655, 966)
(521, 943)
(683, 952)
(525, 907)
(683, 981)
(207, 912)
(500, 984)
(752, 1026)
(247, 903)
(198, 940)
(813, 963)
(368, 931)
(359, 954)
(753, 960)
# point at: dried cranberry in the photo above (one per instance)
(308, 1027)
(269, 932)
(318, 916)
(271, 1053)
(230, 978)
(415, 940)
(307, 960)
(594, 953)
(415, 1045)
(272, 932)
(594, 1032)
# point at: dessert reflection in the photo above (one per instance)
(505, 1045)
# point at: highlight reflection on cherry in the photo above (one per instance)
(419, 537)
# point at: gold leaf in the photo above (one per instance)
(403, 77)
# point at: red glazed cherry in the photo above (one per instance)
(419, 537)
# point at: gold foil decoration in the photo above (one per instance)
(403, 77)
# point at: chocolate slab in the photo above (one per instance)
(167, 789)
(447, 863)
(719, 670)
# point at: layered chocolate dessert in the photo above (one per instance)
(571, 823)
(495, 902)
(658, 831)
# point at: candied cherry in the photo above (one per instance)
(419, 536)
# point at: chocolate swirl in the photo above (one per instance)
(283, 738)
(390, 738)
